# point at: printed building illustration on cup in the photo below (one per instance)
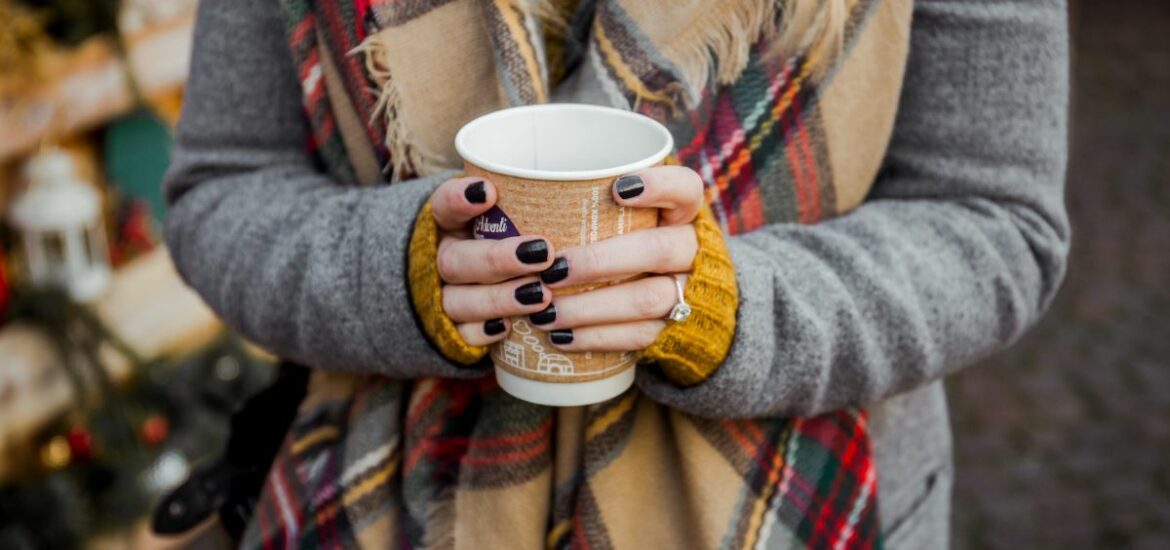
(513, 355)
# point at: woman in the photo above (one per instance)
(887, 176)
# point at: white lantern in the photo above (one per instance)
(59, 218)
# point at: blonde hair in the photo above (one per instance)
(815, 27)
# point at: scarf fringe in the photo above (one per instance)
(717, 44)
(405, 157)
(721, 39)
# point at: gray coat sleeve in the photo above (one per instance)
(959, 248)
(311, 270)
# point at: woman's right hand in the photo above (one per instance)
(486, 281)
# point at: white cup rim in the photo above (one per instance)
(470, 156)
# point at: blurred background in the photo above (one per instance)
(115, 380)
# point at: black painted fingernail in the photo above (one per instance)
(476, 193)
(556, 272)
(531, 293)
(545, 316)
(492, 327)
(561, 337)
(533, 252)
(629, 187)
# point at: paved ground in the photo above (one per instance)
(1064, 441)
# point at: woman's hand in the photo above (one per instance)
(487, 281)
(627, 316)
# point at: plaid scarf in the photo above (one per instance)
(460, 464)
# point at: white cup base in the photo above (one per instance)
(561, 394)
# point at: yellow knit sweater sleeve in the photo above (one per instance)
(426, 292)
(690, 351)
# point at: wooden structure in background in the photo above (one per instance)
(93, 86)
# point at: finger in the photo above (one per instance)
(457, 201)
(649, 298)
(465, 261)
(477, 303)
(676, 190)
(482, 334)
(635, 336)
(656, 250)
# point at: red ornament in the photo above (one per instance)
(135, 235)
(80, 443)
(155, 429)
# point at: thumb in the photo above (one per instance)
(457, 201)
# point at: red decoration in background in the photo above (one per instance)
(134, 233)
(80, 443)
(155, 429)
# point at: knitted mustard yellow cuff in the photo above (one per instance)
(426, 292)
(691, 351)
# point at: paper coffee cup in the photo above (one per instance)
(553, 166)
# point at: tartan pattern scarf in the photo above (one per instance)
(441, 463)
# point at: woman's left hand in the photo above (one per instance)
(627, 316)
